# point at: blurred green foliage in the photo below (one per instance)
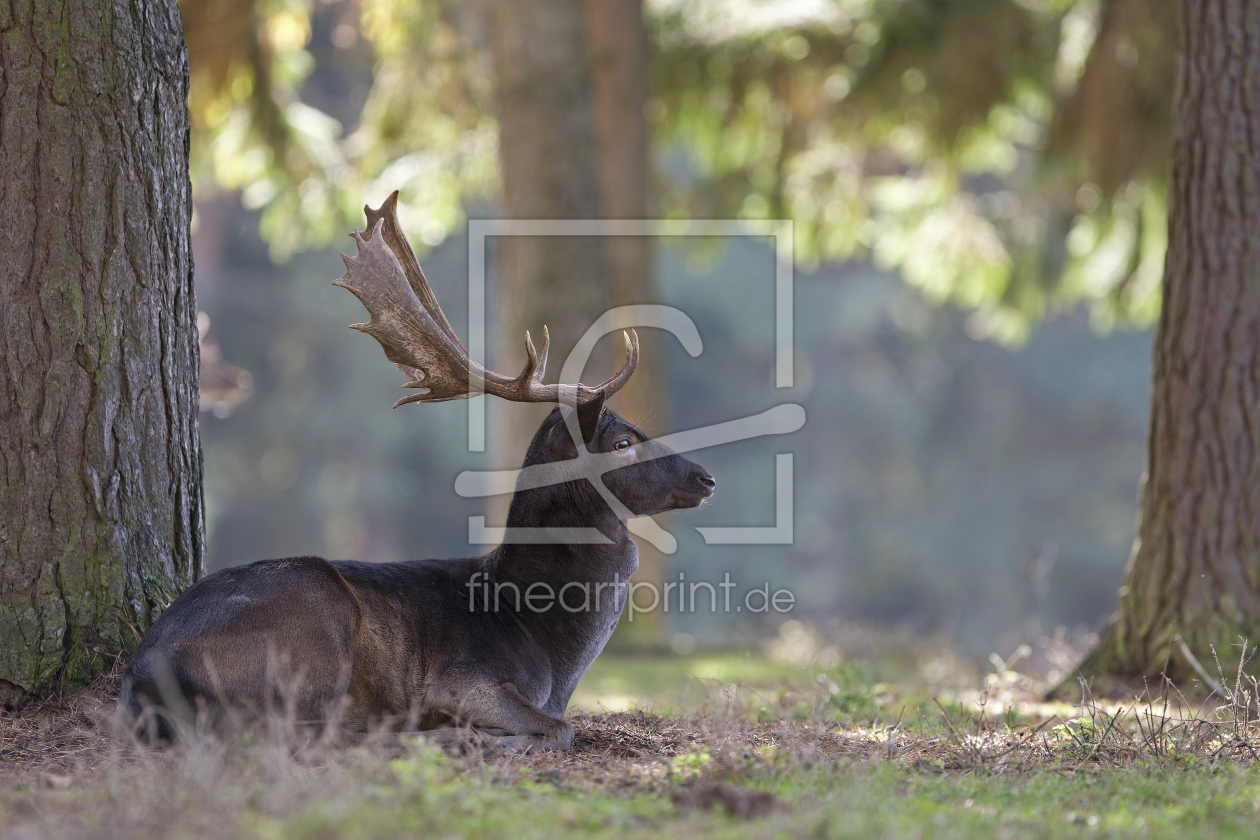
(1007, 156)
(424, 126)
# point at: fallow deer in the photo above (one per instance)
(444, 645)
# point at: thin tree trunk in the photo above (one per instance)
(572, 84)
(100, 472)
(617, 46)
(1195, 568)
(547, 156)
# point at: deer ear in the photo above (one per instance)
(588, 417)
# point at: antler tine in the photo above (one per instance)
(615, 382)
(542, 357)
(537, 363)
(528, 385)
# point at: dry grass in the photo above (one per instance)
(78, 737)
(58, 738)
(76, 740)
(65, 770)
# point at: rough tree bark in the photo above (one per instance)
(100, 473)
(1195, 568)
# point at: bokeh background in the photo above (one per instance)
(972, 297)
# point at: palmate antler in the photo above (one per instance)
(415, 335)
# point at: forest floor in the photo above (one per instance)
(699, 745)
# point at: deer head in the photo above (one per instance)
(644, 475)
(417, 338)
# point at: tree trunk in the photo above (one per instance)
(1195, 568)
(617, 47)
(572, 83)
(548, 159)
(100, 469)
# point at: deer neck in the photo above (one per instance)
(577, 510)
(587, 582)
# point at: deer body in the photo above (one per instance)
(427, 644)
(496, 642)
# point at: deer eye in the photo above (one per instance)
(622, 445)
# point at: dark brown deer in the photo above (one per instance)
(445, 645)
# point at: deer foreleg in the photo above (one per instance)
(503, 709)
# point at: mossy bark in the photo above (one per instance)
(100, 472)
(1195, 568)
